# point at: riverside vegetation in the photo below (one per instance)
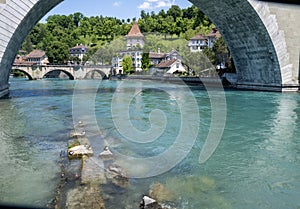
(165, 30)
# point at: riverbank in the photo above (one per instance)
(188, 80)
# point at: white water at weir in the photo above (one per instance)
(256, 165)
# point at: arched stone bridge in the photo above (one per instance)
(263, 38)
(73, 71)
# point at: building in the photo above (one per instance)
(36, 57)
(78, 51)
(157, 57)
(134, 44)
(199, 41)
(136, 56)
(135, 39)
(172, 66)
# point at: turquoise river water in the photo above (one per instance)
(255, 165)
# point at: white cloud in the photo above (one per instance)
(151, 4)
(145, 5)
(117, 4)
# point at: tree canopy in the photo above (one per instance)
(61, 32)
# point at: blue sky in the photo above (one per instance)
(121, 9)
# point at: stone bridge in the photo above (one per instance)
(263, 38)
(73, 71)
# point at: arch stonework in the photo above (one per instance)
(263, 38)
(69, 74)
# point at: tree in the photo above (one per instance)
(27, 45)
(174, 11)
(145, 61)
(76, 18)
(127, 64)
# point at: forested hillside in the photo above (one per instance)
(60, 32)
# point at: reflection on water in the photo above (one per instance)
(256, 165)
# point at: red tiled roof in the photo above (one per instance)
(166, 63)
(36, 54)
(154, 55)
(198, 37)
(79, 47)
(135, 31)
(214, 33)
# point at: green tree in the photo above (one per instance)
(127, 64)
(145, 61)
(77, 17)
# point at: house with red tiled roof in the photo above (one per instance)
(36, 57)
(78, 51)
(135, 39)
(157, 57)
(134, 44)
(172, 66)
(199, 41)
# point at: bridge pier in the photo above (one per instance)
(4, 91)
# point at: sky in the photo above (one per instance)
(121, 9)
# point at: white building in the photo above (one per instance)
(136, 56)
(172, 66)
(37, 57)
(199, 42)
(78, 51)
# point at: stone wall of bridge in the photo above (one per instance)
(265, 52)
(74, 72)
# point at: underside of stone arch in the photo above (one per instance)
(266, 57)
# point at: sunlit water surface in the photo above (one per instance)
(256, 165)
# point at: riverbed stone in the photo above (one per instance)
(106, 154)
(80, 151)
(149, 203)
(77, 134)
(84, 197)
(93, 171)
(159, 192)
(117, 176)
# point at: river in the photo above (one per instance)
(255, 165)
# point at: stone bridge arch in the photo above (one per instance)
(70, 75)
(90, 72)
(265, 53)
(25, 72)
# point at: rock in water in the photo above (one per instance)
(149, 203)
(117, 176)
(79, 151)
(106, 154)
(159, 192)
(77, 134)
(85, 197)
(92, 171)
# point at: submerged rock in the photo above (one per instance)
(79, 151)
(117, 176)
(92, 171)
(77, 134)
(106, 154)
(149, 203)
(159, 192)
(85, 197)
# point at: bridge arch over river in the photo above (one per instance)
(263, 38)
(72, 71)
